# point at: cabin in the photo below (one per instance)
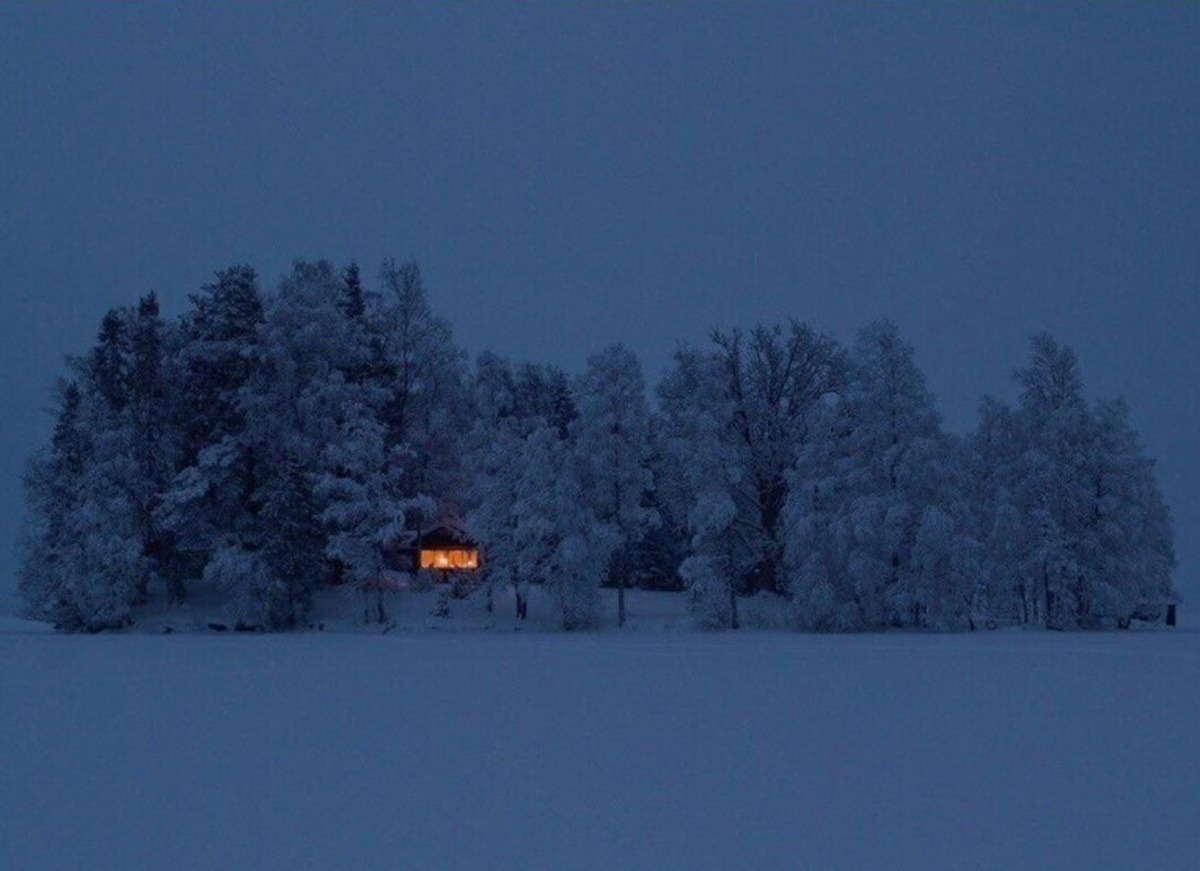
(446, 549)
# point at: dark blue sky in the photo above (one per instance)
(572, 175)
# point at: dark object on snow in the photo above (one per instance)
(218, 627)
(1151, 612)
(168, 630)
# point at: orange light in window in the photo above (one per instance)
(457, 558)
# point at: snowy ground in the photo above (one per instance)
(635, 750)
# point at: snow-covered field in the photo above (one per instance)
(633, 750)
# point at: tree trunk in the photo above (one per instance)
(773, 495)
(1046, 618)
(734, 622)
(618, 568)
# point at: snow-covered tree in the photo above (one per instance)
(658, 554)
(102, 568)
(530, 512)
(216, 356)
(1129, 539)
(542, 392)
(265, 445)
(556, 540)
(84, 563)
(773, 381)
(742, 411)
(1078, 534)
(1050, 486)
(877, 537)
(425, 414)
(329, 424)
(612, 446)
(708, 477)
(325, 504)
(493, 465)
(126, 391)
(155, 443)
(53, 480)
(320, 359)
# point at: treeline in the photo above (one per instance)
(266, 444)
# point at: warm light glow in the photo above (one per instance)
(457, 558)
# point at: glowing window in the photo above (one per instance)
(450, 558)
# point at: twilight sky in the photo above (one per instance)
(573, 175)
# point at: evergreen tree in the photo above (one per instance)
(53, 480)
(320, 498)
(217, 357)
(154, 444)
(353, 299)
(425, 415)
(83, 563)
(211, 500)
(108, 364)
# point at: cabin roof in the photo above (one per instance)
(445, 538)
